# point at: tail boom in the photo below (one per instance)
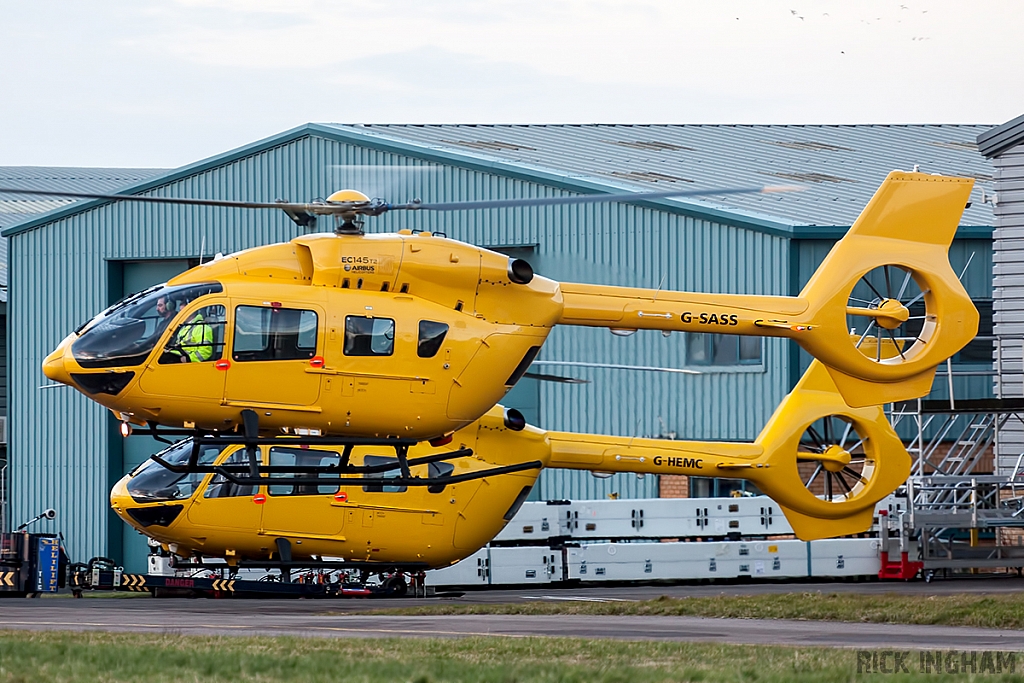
(770, 462)
(651, 456)
(649, 309)
(909, 224)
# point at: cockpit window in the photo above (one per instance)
(221, 487)
(152, 482)
(128, 331)
(199, 339)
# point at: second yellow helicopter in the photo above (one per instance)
(824, 463)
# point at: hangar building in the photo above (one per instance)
(69, 263)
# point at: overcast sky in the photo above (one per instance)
(162, 83)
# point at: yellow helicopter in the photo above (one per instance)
(824, 463)
(409, 337)
(293, 366)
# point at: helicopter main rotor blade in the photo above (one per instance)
(376, 207)
(309, 207)
(587, 199)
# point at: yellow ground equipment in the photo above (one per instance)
(826, 464)
(413, 336)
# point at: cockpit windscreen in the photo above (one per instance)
(152, 482)
(128, 331)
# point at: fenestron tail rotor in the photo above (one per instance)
(888, 284)
(832, 459)
(887, 303)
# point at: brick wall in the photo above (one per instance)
(674, 486)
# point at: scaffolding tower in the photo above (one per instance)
(962, 513)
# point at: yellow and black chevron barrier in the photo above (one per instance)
(224, 585)
(134, 582)
(7, 580)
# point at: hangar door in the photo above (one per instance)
(124, 544)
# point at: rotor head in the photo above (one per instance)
(348, 222)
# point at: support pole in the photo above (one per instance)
(251, 430)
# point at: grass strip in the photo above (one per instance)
(148, 658)
(1005, 611)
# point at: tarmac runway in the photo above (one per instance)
(329, 618)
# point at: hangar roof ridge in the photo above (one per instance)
(578, 182)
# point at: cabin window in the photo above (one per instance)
(303, 457)
(376, 461)
(432, 335)
(267, 333)
(523, 366)
(220, 487)
(439, 470)
(200, 339)
(369, 336)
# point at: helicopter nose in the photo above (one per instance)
(120, 501)
(53, 367)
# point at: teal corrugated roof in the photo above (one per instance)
(841, 166)
(157, 179)
(16, 209)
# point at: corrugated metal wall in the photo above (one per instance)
(59, 446)
(1008, 285)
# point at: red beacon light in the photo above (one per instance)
(442, 440)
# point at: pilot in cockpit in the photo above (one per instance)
(193, 341)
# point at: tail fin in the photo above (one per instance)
(826, 464)
(889, 277)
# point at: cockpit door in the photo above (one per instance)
(224, 505)
(188, 364)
